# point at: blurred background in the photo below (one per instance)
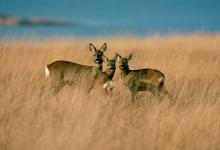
(47, 18)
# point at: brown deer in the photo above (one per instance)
(63, 72)
(141, 80)
(105, 79)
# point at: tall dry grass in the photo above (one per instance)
(32, 118)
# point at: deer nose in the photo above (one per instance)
(112, 68)
(97, 59)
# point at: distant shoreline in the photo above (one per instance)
(15, 21)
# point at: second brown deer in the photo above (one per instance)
(142, 79)
(105, 79)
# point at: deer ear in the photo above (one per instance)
(92, 47)
(129, 56)
(117, 56)
(106, 58)
(104, 47)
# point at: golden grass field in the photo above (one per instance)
(31, 117)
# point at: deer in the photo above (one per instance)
(147, 79)
(63, 72)
(105, 78)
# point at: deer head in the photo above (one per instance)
(98, 53)
(123, 62)
(111, 63)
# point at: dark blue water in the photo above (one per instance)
(111, 17)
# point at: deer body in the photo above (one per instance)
(141, 80)
(63, 73)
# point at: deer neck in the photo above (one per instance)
(99, 68)
(124, 72)
(109, 74)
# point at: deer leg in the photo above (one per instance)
(110, 93)
(90, 88)
(165, 92)
(155, 92)
(133, 96)
(58, 86)
(92, 84)
(152, 89)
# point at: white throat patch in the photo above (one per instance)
(109, 85)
